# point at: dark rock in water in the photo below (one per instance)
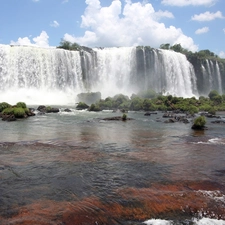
(219, 121)
(194, 127)
(209, 115)
(185, 120)
(116, 118)
(170, 120)
(147, 114)
(8, 117)
(42, 108)
(168, 115)
(53, 110)
(67, 110)
(123, 111)
(30, 113)
(89, 98)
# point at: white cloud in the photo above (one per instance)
(207, 16)
(35, 0)
(222, 54)
(189, 2)
(54, 24)
(39, 41)
(202, 30)
(130, 25)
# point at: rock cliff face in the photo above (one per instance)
(37, 73)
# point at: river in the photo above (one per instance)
(75, 168)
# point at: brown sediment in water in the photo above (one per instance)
(131, 204)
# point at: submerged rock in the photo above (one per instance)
(117, 118)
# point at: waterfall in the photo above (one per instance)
(211, 77)
(55, 76)
(114, 69)
(179, 75)
(220, 89)
(36, 74)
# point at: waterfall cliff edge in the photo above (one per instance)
(56, 76)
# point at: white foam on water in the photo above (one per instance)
(207, 221)
(203, 221)
(158, 222)
(215, 195)
(220, 141)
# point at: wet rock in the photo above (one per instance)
(42, 108)
(147, 114)
(67, 110)
(194, 127)
(8, 118)
(48, 109)
(116, 118)
(219, 121)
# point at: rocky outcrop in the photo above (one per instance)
(48, 109)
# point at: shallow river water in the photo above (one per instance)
(77, 169)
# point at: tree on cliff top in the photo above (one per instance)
(69, 46)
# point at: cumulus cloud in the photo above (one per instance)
(207, 16)
(54, 24)
(39, 41)
(129, 25)
(202, 30)
(182, 3)
(222, 54)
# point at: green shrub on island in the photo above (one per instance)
(21, 104)
(81, 106)
(48, 109)
(4, 105)
(19, 112)
(124, 117)
(199, 123)
(94, 108)
(8, 111)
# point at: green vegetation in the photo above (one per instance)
(21, 104)
(201, 55)
(199, 123)
(48, 109)
(20, 110)
(94, 107)
(4, 105)
(158, 102)
(124, 117)
(81, 106)
(69, 46)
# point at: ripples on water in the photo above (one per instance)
(75, 168)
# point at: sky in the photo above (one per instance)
(195, 24)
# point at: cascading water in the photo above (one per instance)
(38, 75)
(179, 75)
(56, 76)
(211, 77)
(219, 79)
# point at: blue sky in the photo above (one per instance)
(195, 24)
